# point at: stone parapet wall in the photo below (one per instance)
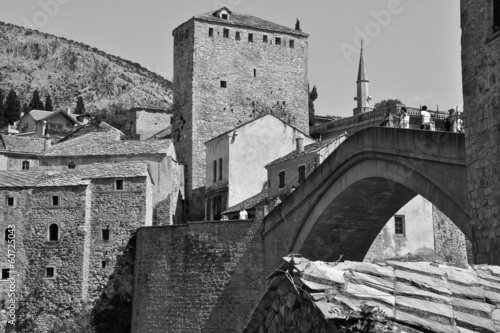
(204, 276)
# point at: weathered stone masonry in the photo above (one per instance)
(259, 76)
(481, 83)
(199, 277)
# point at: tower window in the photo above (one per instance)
(186, 36)
(223, 84)
(278, 41)
(55, 200)
(237, 36)
(250, 38)
(8, 232)
(25, 165)
(53, 233)
(5, 273)
(496, 15)
(105, 234)
(225, 33)
(254, 72)
(264, 39)
(282, 178)
(399, 225)
(210, 32)
(220, 168)
(103, 264)
(292, 44)
(302, 174)
(119, 185)
(11, 201)
(50, 272)
(71, 165)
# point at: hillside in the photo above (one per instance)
(66, 69)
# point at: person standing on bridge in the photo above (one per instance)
(404, 118)
(425, 119)
(388, 119)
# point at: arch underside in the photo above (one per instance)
(356, 204)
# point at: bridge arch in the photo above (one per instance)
(343, 205)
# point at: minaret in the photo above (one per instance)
(363, 98)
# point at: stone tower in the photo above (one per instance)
(228, 69)
(363, 97)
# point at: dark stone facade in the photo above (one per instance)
(481, 82)
(260, 77)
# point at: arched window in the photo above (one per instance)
(71, 165)
(53, 233)
(26, 165)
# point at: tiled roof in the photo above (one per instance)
(163, 134)
(248, 203)
(310, 148)
(251, 121)
(24, 144)
(67, 177)
(245, 20)
(105, 143)
(41, 114)
(94, 127)
(426, 296)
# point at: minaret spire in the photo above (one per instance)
(363, 98)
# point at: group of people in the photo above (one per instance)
(453, 123)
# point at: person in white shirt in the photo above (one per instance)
(404, 119)
(425, 119)
(243, 214)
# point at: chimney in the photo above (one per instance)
(69, 110)
(47, 143)
(300, 145)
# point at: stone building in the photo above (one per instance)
(236, 159)
(146, 122)
(82, 151)
(480, 22)
(229, 68)
(69, 227)
(19, 152)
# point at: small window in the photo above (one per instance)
(71, 165)
(119, 185)
(224, 16)
(237, 36)
(11, 201)
(278, 41)
(105, 234)
(50, 272)
(250, 38)
(215, 170)
(186, 36)
(55, 200)
(220, 168)
(53, 233)
(282, 176)
(254, 72)
(5, 273)
(264, 39)
(292, 44)
(223, 84)
(7, 234)
(496, 15)
(210, 32)
(45, 163)
(302, 174)
(103, 263)
(399, 225)
(225, 33)
(26, 165)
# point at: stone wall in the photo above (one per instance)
(150, 122)
(199, 277)
(481, 82)
(261, 77)
(449, 242)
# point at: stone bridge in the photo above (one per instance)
(345, 202)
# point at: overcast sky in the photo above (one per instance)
(412, 47)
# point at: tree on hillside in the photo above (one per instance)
(25, 109)
(80, 106)
(387, 103)
(2, 109)
(313, 95)
(48, 103)
(36, 102)
(12, 108)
